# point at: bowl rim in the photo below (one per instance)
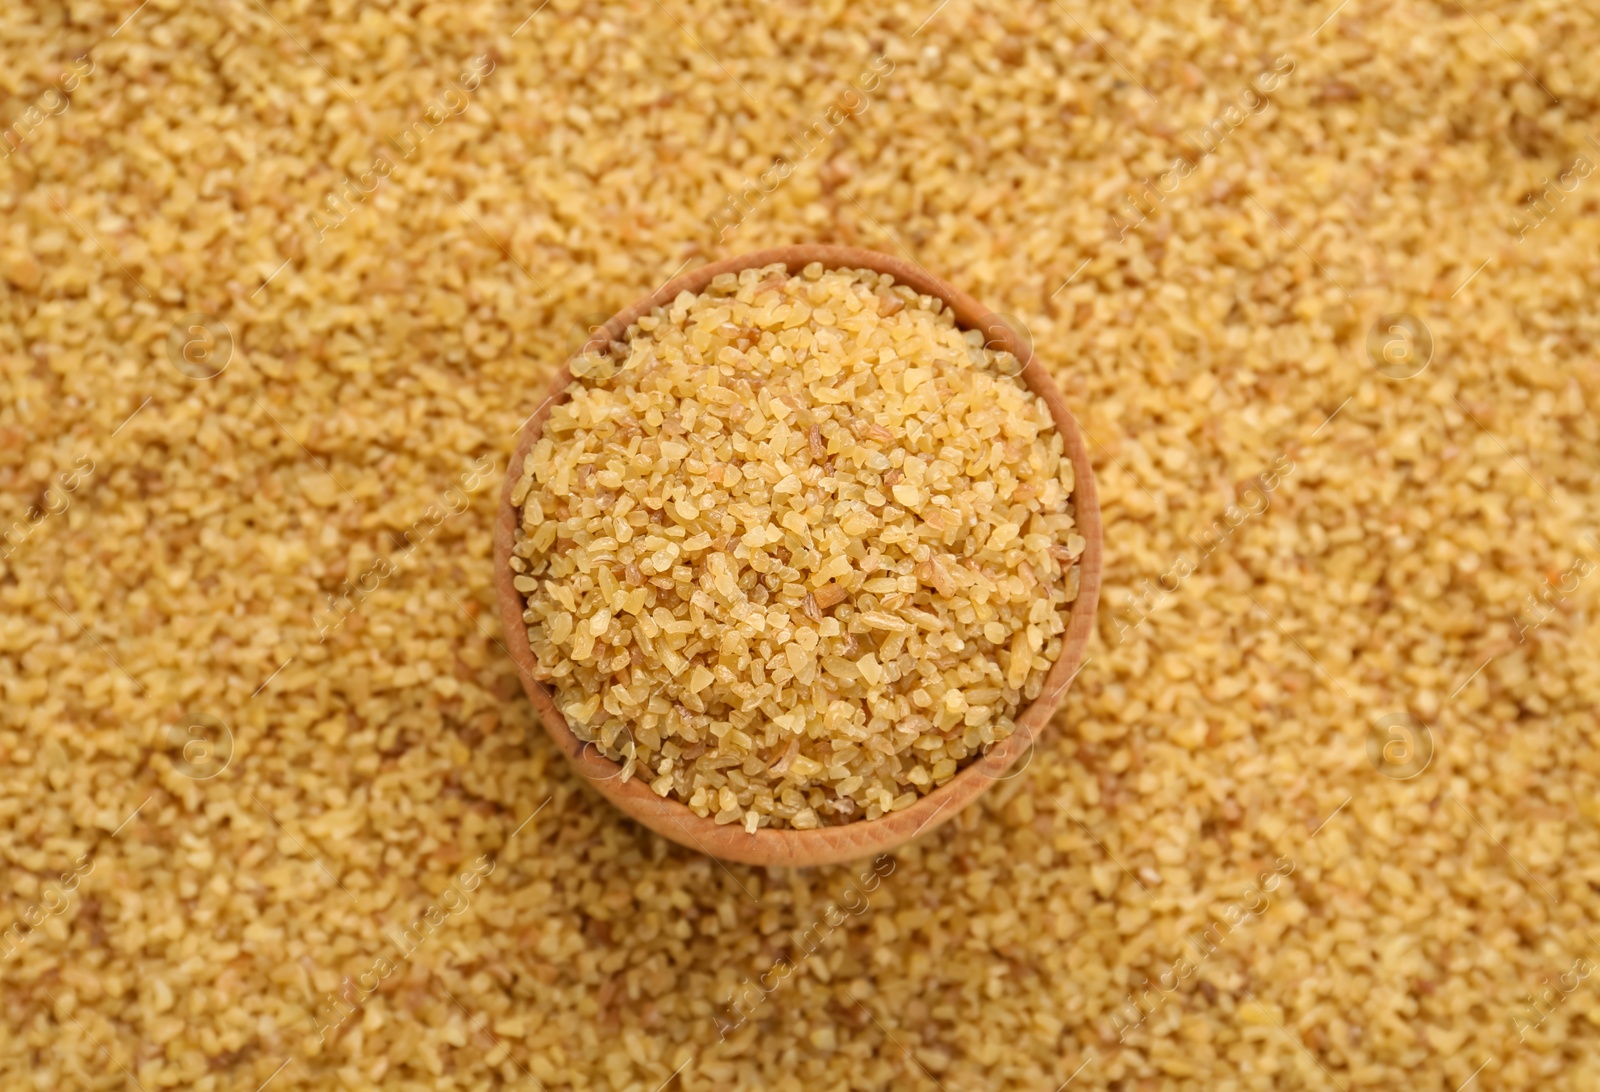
(861, 838)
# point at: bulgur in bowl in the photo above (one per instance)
(798, 555)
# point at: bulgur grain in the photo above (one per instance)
(888, 495)
(1391, 575)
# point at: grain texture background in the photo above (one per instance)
(1415, 582)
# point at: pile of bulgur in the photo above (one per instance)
(797, 546)
(1420, 560)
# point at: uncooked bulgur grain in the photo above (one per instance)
(796, 548)
(1391, 574)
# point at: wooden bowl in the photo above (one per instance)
(863, 838)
